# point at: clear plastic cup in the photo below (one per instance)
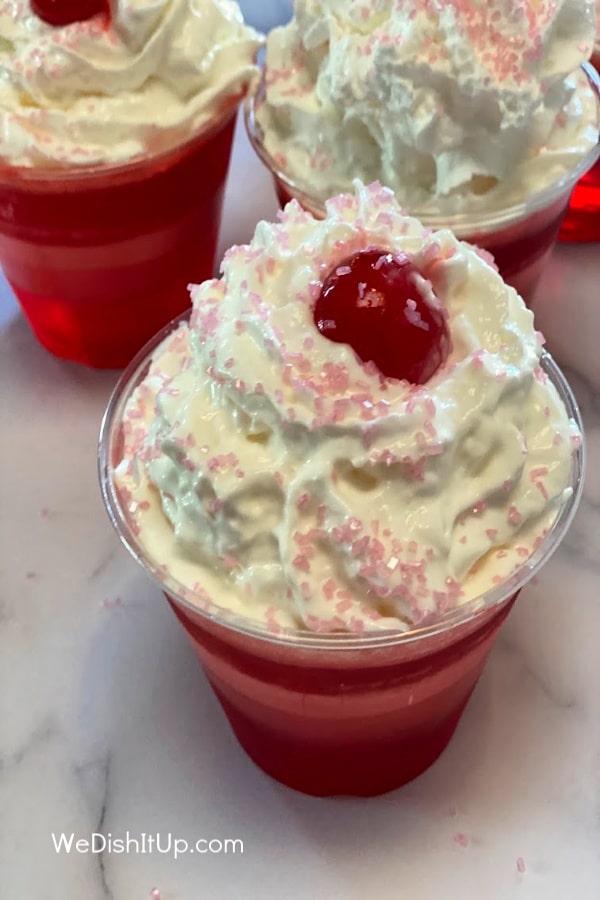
(334, 713)
(100, 257)
(582, 221)
(520, 237)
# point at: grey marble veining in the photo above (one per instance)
(107, 725)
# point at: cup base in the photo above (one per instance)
(121, 326)
(357, 769)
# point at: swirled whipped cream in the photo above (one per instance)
(100, 91)
(273, 473)
(447, 102)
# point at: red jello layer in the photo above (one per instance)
(101, 261)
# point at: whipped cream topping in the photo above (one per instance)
(274, 474)
(106, 92)
(444, 101)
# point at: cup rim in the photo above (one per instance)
(462, 224)
(247, 626)
(50, 174)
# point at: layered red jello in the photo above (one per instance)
(341, 470)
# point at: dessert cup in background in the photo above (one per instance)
(520, 237)
(100, 257)
(115, 140)
(335, 713)
(582, 221)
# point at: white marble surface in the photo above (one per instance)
(108, 726)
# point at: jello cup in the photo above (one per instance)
(582, 221)
(329, 714)
(99, 257)
(520, 237)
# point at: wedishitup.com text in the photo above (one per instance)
(143, 843)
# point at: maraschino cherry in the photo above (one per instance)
(65, 12)
(378, 303)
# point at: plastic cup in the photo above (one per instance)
(519, 237)
(582, 221)
(334, 714)
(100, 257)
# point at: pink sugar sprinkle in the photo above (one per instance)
(514, 516)
(343, 606)
(302, 562)
(461, 839)
(521, 867)
(359, 547)
(329, 589)
(478, 359)
(155, 894)
(538, 472)
(430, 407)
(117, 603)
(492, 533)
